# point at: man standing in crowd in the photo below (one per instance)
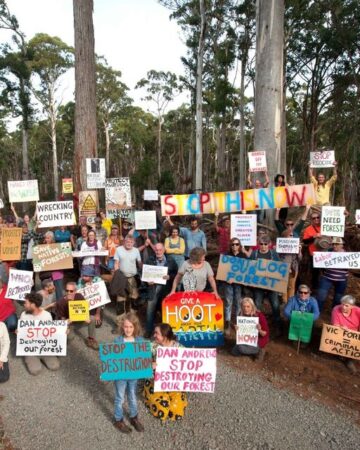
(223, 232)
(33, 311)
(100, 232)
(194, 237)
(322, 187)
(311, 233)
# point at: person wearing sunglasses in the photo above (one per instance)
(295, 226)
(302, 302)
(233, 291)
(321, 186)
(311, 233)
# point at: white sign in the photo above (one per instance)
(96, 294)
(337, 260)
(333, 221)
(243, 227)
(41, 338)
(145, 220)
(95, 173)
(1, 204)
(89, 252)
(55, 214)
(257, 161)
(185, 370)
(151, 195)
(154, 274)
(247, 332)
(325, 158)
(357, 216)
(23, 191)
(287, 245)
(20, 283)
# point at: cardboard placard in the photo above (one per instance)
(23, 191)
(233, 201)
(197, 318)
(185, 370)
(55, 214)
(88, 204)
(67, 186)
(337, 341)
(117, 196)
(125, 361)
(336, 260)
(41, 338)
(78, 310)
(288, 245)
(244, 227)
(88, 252)
(247, 332)
(95, 173)
(145, 220)
(20, 283)
(96, 294)
(333, 221)
(259, 273)
(154, 274)
(301, 324)
(257, 161)
(10, 244)
(152, 196)
(325, 158)
(52, 257)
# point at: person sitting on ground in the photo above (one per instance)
(33, 311)
(7, 309)
(62, 313)
(175, 246)
(223, 233)
(193, 237)
(88, 277)
(321, 186)
(302, 302)
(48, 295)
(4, 352)
(195, 272)
(347, 316)
(248, 309)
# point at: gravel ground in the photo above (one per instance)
(71, 409)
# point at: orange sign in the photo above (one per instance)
(10, 247)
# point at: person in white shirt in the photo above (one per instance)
(4, 352)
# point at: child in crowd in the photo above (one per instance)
(130, 332)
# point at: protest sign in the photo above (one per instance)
(301, 324)
(41, 338)
(88, 205)
(55, 214)
(67, 186)
(233, 201)
(89, 252)
(333, 221)
(152, 196)
(322, 159)
(197, 318)
(10, 244)
(257, 161)
(154, 274)
(247, 332)
(185, 370)
(78, 310)
(117, 195)
(145, 220)
(339, 341)
(20, 283)
(23, 191)
(260, 273)
(288, 245)
(243, 227)
(357, 216)
(52, 257)
(95, 173)
(96, 294)
(337, 260)
(1, 204)
(125, 361)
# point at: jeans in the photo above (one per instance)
(259, 295)
(11, 322)
(324, 286)
(155, 295)
(59, 289)
(121, 386)
(232, 293)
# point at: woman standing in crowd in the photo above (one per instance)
(105, 221)
(57, 275)
(91, 244)
(223, 233)
(30, 222)
(175, 246)
(248, 309)
(293, 259)
(164, 405)
(111, 244)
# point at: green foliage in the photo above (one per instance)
(166, 184)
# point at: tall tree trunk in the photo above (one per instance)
(85, 98)
(52, 116)
(107, 146)
(159, 146)
(242, 157)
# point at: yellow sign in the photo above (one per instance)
(88, 201)
(67, 186)
(79, 310)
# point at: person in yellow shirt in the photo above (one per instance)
(106, 222)
(322, 187)
(175, 246)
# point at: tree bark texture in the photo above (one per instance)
(85, 91)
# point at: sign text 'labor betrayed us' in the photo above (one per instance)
(233, 201)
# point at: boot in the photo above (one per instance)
(135, 422)
(227, 328)
(260, 356)
(121, 426)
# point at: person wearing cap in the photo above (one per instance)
(302, 302)
(347, 316)
(321, 186)
(332, 277)
(223, 233)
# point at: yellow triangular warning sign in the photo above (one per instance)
(89, 204)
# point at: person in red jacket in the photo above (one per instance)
(7, 309)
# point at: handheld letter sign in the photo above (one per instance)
(23, 191)
(340, 342)
(151, 195)
(145, 220)
(10, 245)
(337, 260)
(257, 161)
(95, 173)
(78, 310)
(88, 204)
(247, 332)
(301, 325)
(243, 227)
(52, 257)
(67, 186)
(333, 221)
(96, 294)
(185, 370)
(55, 214)
(154, 274)
(197, 318)
(117, 196)
(323, 159)
(20, 283)
(288, 245)
(125, 361)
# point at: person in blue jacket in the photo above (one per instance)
(302, 302)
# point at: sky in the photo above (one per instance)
(135, 36)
